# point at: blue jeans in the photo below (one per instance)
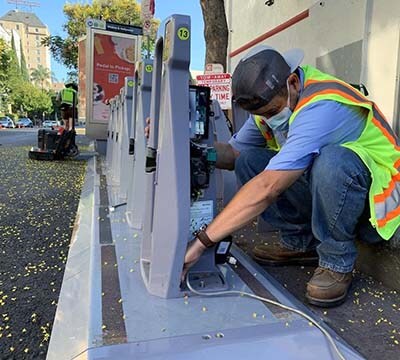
(325, 209)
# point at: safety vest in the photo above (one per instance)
(67, 96)
(377, 146)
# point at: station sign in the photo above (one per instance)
(220, 85)
(115, 27)
(107, 58)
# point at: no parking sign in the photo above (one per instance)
(220, 85)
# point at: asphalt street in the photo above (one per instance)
(38, 204)
(18, 137)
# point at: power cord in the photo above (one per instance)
(272, 302)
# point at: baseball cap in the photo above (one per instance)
(261, 73)
(71, 84)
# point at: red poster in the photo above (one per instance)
(113, 60)
(82, 78)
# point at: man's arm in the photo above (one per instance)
(226, 156)
(252, 199)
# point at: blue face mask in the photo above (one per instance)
(279, 122)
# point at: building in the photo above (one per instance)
(31, 30)
(57, 86)
(357, 41)
(7, 36)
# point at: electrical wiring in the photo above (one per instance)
(272, 302)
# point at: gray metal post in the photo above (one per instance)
(126, 163)
(226, 180)
(136, 194)
(170, 213)
(117, 143)
(110, 137)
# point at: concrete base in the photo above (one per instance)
(101, 146)
(105, 312)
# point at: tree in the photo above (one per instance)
(15, 68)
(24, 69)
(5, 60)
(65, 50)
(27, 98)
(215, 31)
(40, 75)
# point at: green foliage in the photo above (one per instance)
(24, 68)
(5, 60)
(72, 77)
(27, 98)
(40, 75)
(14, 69)
(65, 50)
(15, 87)
(56, 111)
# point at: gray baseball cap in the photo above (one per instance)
(261, 73)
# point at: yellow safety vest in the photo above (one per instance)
(377, 146)
(67, 96)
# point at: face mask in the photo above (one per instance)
(279, 122)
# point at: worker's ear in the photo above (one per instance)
(294, 82)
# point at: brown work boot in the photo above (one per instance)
(276, 255)
(328, 288)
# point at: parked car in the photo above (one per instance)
(24, 123)
(6, 122)
(50, 124)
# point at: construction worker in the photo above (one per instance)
(67, 98)
(317, 160)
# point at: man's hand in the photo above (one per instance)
(193, 253)
(147, 128)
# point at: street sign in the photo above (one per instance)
(147, 13)
(220, 85)
(146, 26)
(148, 8)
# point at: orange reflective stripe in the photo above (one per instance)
(385, 127)
(387, 192)
(310, 82)
(267, 135)
(390, 216)
(386, 133)
(327, 92)
(352, 98)
(397, 165)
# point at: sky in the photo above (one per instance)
(50, 12)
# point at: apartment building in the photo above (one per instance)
(7, 36)
(31, 30)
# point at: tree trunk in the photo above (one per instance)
(215, 31)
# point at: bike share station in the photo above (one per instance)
(122, 295)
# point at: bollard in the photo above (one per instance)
(136, 194)
(180, 183)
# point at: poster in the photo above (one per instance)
(82, 78)
(113, 60)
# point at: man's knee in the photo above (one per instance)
(336, 164)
